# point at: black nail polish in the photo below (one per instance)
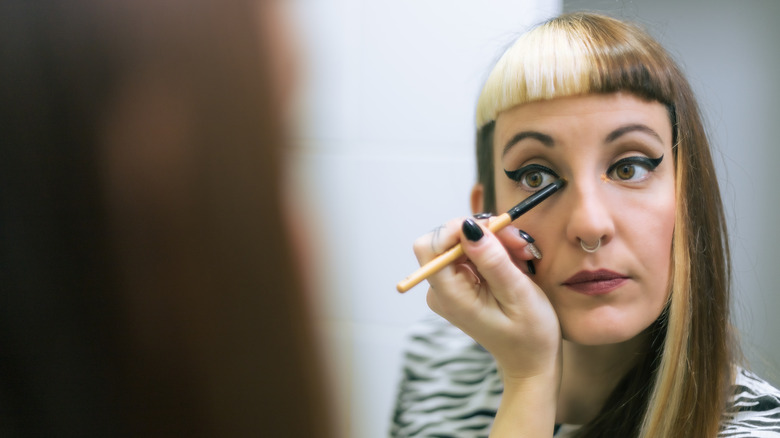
(526, 236)
(471, 230)
(483, 216)
(531, 268)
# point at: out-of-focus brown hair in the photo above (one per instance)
(679, 387)
(147, 283)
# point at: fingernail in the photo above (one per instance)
(526, 236)
(531, 247)
(483, 216)
(471, 230)
(535, 251)
(531, 268)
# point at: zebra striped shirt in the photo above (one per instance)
(451, 388)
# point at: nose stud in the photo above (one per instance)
(589, 248)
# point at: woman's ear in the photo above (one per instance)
(477, 199)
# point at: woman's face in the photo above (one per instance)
(607, 147)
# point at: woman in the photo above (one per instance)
(149, 286)
(613, 319)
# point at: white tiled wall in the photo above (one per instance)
(385, 154)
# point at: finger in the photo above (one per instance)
(453, 291)
(459, 281)
(531, 245)
(494, 264)
(467, 269)
(443, 237)
(518, 248)
(520, 245)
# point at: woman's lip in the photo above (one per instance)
(595, 282)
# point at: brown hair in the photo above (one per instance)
(149, 285)
(679, 388)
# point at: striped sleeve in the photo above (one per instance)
(450, 386)
(755, 409)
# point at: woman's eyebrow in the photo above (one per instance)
(614, 135)
(520, 136)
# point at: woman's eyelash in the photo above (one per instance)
(517, 175)
(632, 169)
(635, 169)
(649, 163)
(532, 177)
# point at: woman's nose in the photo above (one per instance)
(590, 220)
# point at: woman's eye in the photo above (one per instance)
(633, 169)
(532, 177)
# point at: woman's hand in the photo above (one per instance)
(491, 299)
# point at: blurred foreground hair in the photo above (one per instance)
(148, 284)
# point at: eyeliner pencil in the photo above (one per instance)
(496, 224)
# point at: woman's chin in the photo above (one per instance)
(597, 331)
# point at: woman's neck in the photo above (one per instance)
(590, 374)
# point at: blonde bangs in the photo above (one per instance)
(542, 64)
(571, 55)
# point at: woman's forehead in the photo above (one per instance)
(545, 120)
